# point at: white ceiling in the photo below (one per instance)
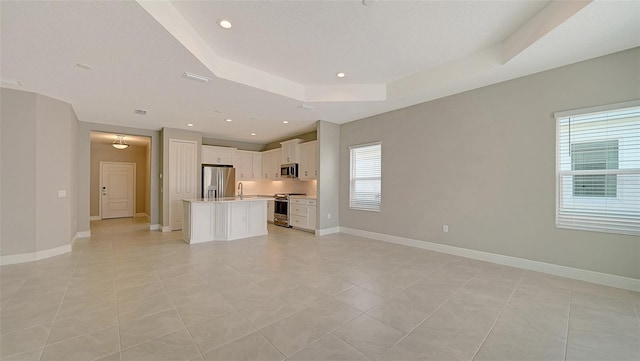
(282, 54)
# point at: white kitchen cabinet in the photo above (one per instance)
(290, 151)
(217, 155)
(271, 164)
(270, 211)
(248, 165)
(256, 165)
(224, 220)
(247, 219)
(303, 213)
(200, 226)
(308, 167)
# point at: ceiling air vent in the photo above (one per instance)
(140, 112)
(196, 77)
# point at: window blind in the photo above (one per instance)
(598, 171)
(366, 177)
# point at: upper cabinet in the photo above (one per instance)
(217, 155)
(248, 165)
(290, 151)
(271, 164)
(308, 167)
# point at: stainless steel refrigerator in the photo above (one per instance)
(218, 181)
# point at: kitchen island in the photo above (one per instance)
(224, 219)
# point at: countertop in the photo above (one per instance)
(304, 197)
(247, 198)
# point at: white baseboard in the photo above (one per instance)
(154, 227)
(34, 256)
(606, 279)
(325, 231)
(83, 234)
(94, 218)
(166, 229)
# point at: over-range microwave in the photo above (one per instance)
(289, 170)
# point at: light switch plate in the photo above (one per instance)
(62, 194)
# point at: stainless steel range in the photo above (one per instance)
(281, 209)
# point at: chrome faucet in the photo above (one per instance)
(240, 192)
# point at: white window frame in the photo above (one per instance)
(600, 214)
(353, 179)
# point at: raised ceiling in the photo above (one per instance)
(281, 55)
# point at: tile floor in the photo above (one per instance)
(131, 294)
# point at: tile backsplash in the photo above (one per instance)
(268, 187)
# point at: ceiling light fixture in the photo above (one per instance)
(285, 122)
(196, 77)
(228, 120)
(341, 75)
(140, 112)
(225, 24)
(253, 133)
(83, 66)
(120, 143)
(189, 124)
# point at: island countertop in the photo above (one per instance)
(249, 198)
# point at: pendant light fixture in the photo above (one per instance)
(120, 143)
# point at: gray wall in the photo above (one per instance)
(18, 156)
(84, 169)
(329, 174)
(483, 162)
(104, 152)
(38, 160)
(56, 126)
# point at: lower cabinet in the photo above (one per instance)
(223, 221)
(303, 213)
(270, 211)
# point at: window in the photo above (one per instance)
(595, 156)
(366, 177)
(598, 169)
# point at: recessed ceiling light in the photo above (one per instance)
(83, 66)
(140, 112)
(189, 124)
(229, 120)
(253, 133)
(225, 24)
(341, 75)
(285, 122)
(196, 77)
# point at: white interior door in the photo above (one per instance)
(117, 183)
(183, 174)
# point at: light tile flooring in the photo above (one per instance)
(131, 294)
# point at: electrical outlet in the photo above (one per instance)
(62, 194)
(445, 228)
(328, 215)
